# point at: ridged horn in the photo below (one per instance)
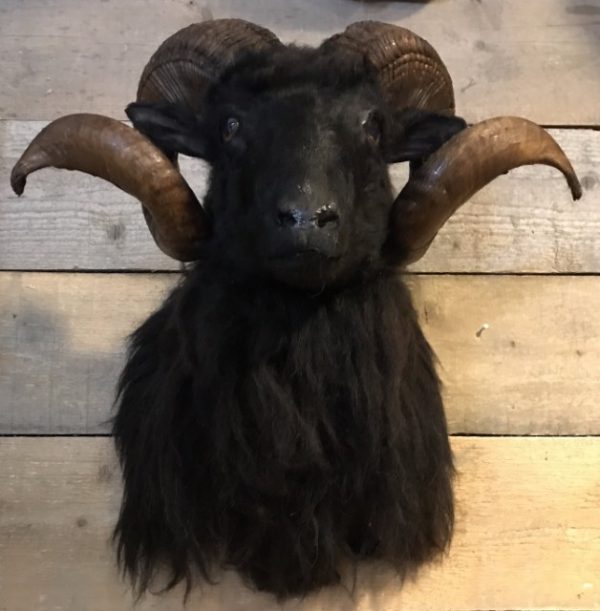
(410, 72)
(185, 64)
(460, 168)
(109, 149)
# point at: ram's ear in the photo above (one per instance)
(172, 127)
(415, 134)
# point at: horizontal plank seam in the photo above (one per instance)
(169, 272)
(460, 435)
(487, 274)
(567, 126)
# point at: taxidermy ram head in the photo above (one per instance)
(280, 413)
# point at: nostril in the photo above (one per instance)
(288, 218)
(327, 215)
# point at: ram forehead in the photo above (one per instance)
(297, 67)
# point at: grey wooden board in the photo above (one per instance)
(527, 535)
(537, 58)
(518, 354)
(523, 222)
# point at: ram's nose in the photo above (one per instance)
(294, 216)
(302, 228)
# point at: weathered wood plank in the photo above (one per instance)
(527, 535)
(519, 355)
(537, 58)
(524, 222)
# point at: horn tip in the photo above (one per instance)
(575, 186)
(18, 178)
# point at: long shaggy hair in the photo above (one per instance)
(278, 433)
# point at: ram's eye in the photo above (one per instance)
(230, 128)
(372, 126)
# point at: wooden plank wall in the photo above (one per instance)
(509, 296)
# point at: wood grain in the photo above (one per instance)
(511, 57)
(527, 535)
(518, 355)
(523, 222)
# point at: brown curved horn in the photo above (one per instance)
(109, 149)
(188, 61)
(457, 170)
(410, 71)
